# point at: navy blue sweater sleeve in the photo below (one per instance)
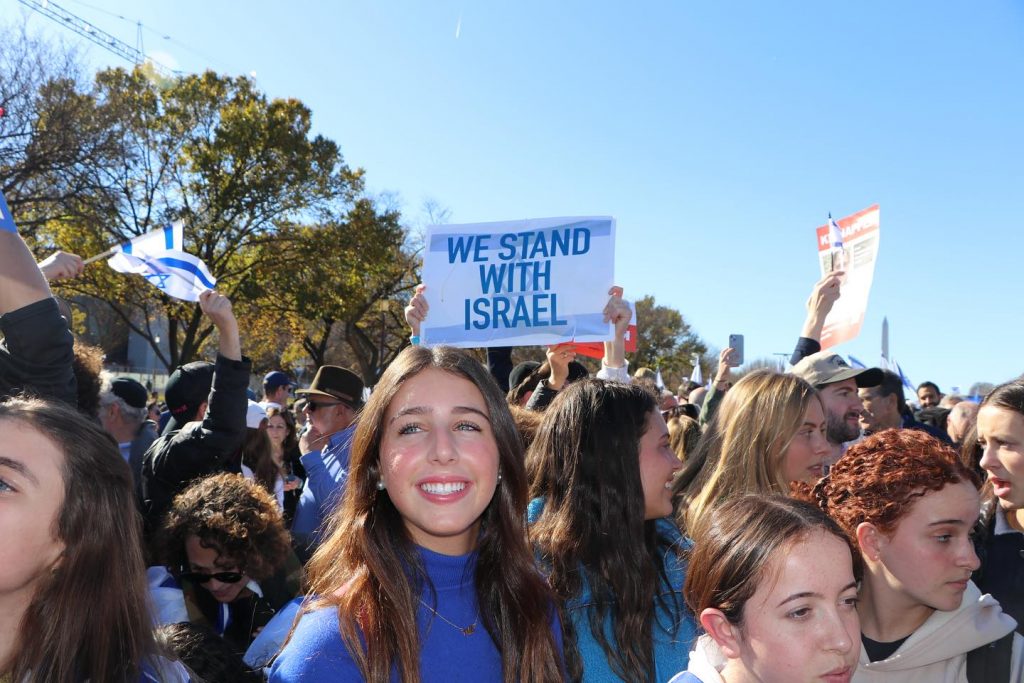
(805, 346)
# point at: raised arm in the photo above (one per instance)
(416, 311)
(614, 365)
(819, 304)
(21, 281)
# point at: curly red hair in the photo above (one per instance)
(879, 478)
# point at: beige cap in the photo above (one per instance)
(826, 367)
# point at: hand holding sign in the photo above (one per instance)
(416, 311)
(618, 312)
(559, 357)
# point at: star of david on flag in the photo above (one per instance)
(176, 273)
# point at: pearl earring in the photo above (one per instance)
(380, 485)
(499, 477)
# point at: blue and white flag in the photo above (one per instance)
(854, 362)
(6, 219)
(835, 235)
(176, 273)
(906, 380)
(154, 242)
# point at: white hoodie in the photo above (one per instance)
(706, 661)
(937, 651)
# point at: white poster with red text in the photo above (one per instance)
(860, 234)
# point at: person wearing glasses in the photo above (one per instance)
(227, 550)
(332, 401)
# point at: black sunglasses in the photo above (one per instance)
(313, 407)
(223, 577)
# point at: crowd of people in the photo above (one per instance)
(474, 521)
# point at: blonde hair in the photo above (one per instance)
(683, 435)
(744, 444)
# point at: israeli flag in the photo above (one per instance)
(906, 380)
(854, 362)
(835, 235)
(174, 272)
(154, 242)
(6, 219)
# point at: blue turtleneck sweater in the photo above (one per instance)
(316, 651)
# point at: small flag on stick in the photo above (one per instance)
(178, 274)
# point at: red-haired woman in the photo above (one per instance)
(910, 505)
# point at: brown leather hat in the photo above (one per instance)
(338, 383)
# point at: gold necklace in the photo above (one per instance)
(466, 631)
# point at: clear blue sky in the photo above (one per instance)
(719, 134)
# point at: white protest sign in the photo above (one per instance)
(860, 234)
(519, 283)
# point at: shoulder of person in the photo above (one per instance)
(315, 651)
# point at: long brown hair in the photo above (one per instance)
(291, 437)
(585, 463)
(258, 455)
(354, 570)
(89, 618)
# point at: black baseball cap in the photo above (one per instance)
(187, 387)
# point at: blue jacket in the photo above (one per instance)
(326, 476)
(674, 634)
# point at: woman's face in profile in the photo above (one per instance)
(31, 496)
(658, 466)
(439, 459)
(930, 556)
(807, 450)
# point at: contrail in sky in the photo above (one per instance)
(458, 27)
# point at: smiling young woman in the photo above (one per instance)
(426, 574)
